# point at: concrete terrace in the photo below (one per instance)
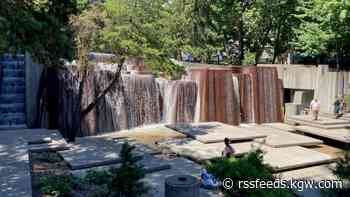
(15, 179)
(291, 155)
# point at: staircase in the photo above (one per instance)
(12, 92)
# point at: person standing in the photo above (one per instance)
(337, 105)
(315, 108)
(342, 107)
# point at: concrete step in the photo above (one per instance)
(10, 57)
(12, 81)
(323, 120)
(13, 72)
(321, 126)
(344, 117)
(12, 64)
(12, 118)
(13, 127)
(12, 98)
(338, 135)
(5, 90)
(12, 108)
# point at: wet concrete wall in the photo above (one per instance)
(238, 94)
(261, 95)
(326, 83)
(33, 73)
(135, 100)
(217, 100)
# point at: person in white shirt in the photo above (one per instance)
(315, 108)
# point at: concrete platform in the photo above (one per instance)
(281, 126)
(212, 132)
(279, 138)
(15, 180)
(199, 151)
(316, 173)
(289, 158)
(178, 166)
(150, 163)
(148, 135)
(91, 152)
(323, 122)
(341, 135)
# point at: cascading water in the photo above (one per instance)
(217, 98)
(179, 101)
(141, 94)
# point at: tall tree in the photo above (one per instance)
(324, 29)
(39, 27)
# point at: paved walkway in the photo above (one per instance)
(15, 180)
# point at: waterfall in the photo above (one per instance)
(217, 98)
(141, 94)
(179, 100)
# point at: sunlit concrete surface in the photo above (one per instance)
(15, 180)
(91, 151)
(211, 132)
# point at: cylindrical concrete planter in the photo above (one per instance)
(182, 186)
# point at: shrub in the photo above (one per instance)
(98, 177)
(343, 166)
(126, 179)
(342, 171)
(57, 185)
(250, 167)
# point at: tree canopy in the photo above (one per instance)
(161, 29)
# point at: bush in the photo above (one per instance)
(343, 166)
(249, 58)
(57, 185)
(126, 180)
(98, 177)
(342, 171)
(250, 167)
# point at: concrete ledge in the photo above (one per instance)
(214, 132)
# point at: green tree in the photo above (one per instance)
(39, 27)
(126, 180)
(143, 29)
(325, 28)
(248, 168)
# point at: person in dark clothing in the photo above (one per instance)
(337, 105)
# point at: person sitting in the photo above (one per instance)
(228, 151)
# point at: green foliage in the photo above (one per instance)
(343, 166)
(57, 185)
(250, 167)
(126, 179)
(131, 28)
(324, 27)
(39, 27)
(342, 171)
(249, 58)
(98, 177)
(49, 157)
